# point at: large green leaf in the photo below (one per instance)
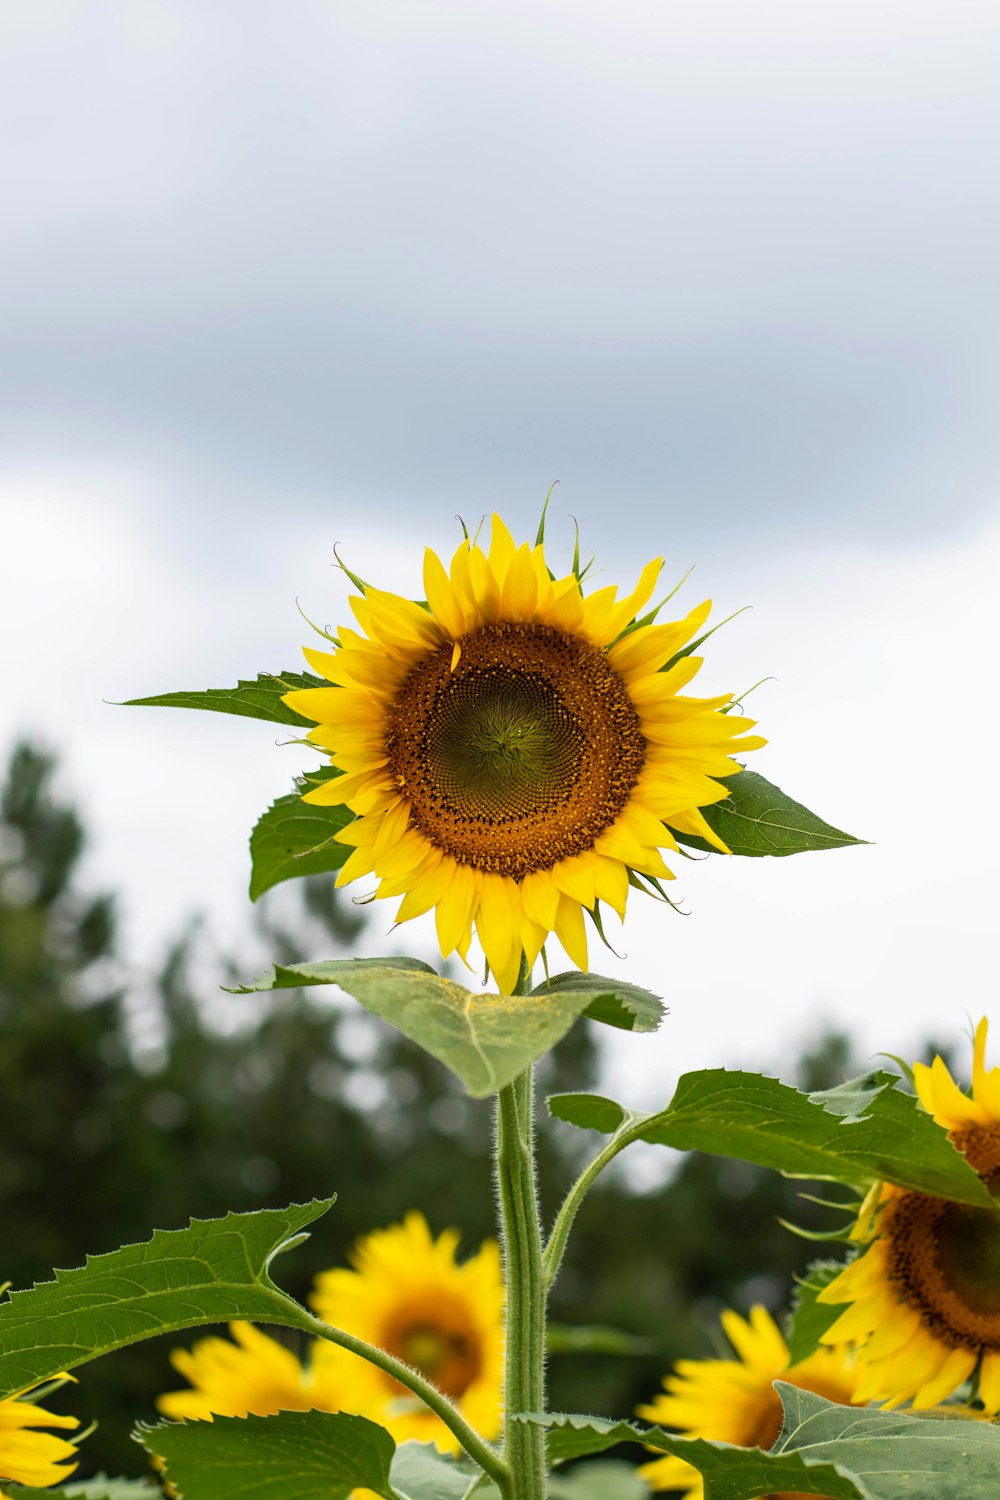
(810, 1319)
(603, 1480)
(259, 698)
(728, 1473)
(757, 818)
(894, 1455)
(420, 1472)
(840, 1452)
(296, 1455)
(612, 1001)
(295, 838)
(884, 1135)
(212, 1271)
(486, 1040)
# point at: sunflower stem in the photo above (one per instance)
(524, 1383)
(482, 1452)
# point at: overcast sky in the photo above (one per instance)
(275, 277)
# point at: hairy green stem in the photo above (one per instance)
(524, 1383)
(476, 1447)
(556, 1245)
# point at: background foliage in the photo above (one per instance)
(130, 1100)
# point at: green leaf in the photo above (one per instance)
(728, 1473)
(612, 1001)
(884, 1136)
(810, 1319)
(98, 1488)
(893, 1455)
(296, 1455)
(295, 838)
(839, 1452)
(486, 1040)
(603, 1480)
(757, 818)
(257, 699)
(589, 1112)
(566, 1338)
(420, 1472)
(211, 1272)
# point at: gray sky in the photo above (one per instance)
(274, 277)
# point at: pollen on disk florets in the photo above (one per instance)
(521, 755)
(516, 751)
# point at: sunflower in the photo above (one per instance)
(28, 1456)
(734, 1400)
(409, 1295)
(925, 1294)
(514, 750)
(252, 1374)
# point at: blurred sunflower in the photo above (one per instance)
(27, 1455)
(925, 1294)
(734, 1400)
(251, 1374)
(409, 1295)
(516, 751)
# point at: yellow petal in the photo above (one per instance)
(495, 922)
(520, 587)
(571, 932)
(955, 1371)
(540, 898)
(502, 550)
(455, 909)
(989, 1382)
(441, 597)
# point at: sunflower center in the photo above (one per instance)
(444, 1351)
(522, 755)
(946, 1259)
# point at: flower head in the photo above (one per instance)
(27, 1455)
(925, 1294)
(409, 1295)
(516, 751)
(734, 1400)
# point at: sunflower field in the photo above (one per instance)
(519, 755)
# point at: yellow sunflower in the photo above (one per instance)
(27, 1455)
(409, 1295)
(734, 1400)
(925, 1294)
(516, 751)
(254, 1374)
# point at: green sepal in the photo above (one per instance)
(295, 838)
(885, 1135)
(213, 1271)
(611, 1001)
(758, 818)
(258, 698)
(809, 1319)
(486, 1040)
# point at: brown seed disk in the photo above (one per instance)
(523, 755)
(945, 1257)
(439, 1342)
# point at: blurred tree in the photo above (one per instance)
(128, 1105)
